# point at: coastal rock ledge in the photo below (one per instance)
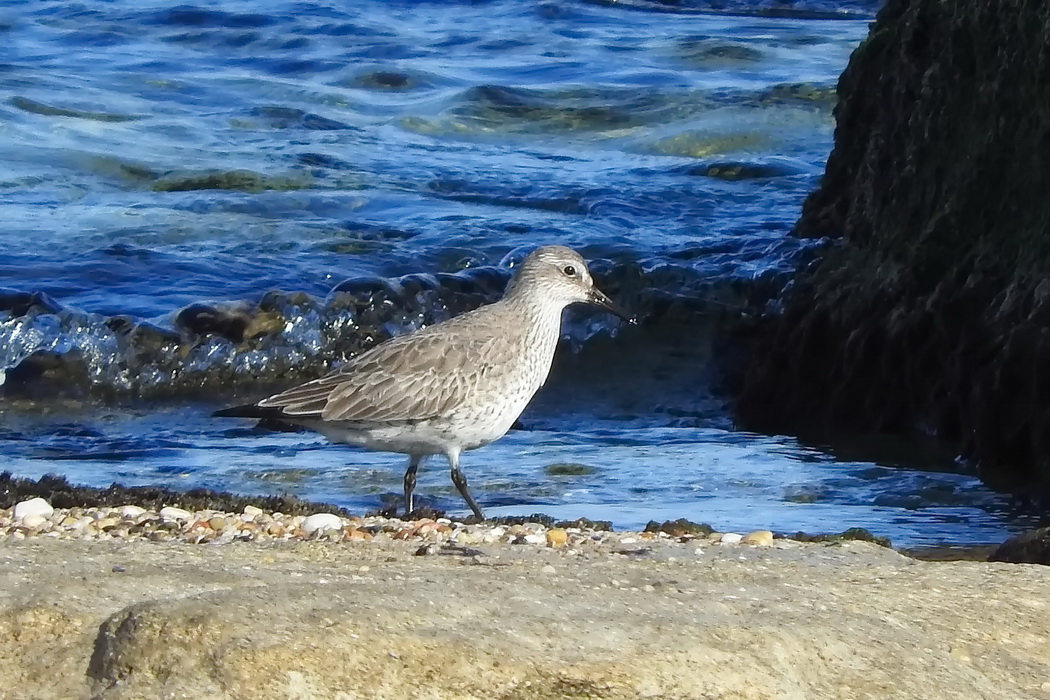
(659, 619)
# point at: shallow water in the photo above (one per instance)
(158, 156)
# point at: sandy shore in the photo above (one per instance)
(619, 617)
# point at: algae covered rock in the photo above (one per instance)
(929, 309)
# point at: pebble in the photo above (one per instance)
(427, 536)
(548, 569)
(557, 538)
(34, 506)
(760, 538)
(173, 513)
(321, 521)
(131, 512)
(33, 521)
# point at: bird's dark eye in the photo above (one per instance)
(569, 270)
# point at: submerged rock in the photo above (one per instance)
(930, 311)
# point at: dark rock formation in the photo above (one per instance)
(1028, 548)
(929, 310)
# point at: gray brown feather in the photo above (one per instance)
(413, 377)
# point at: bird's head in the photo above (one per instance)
(560, 274)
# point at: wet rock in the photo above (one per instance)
(227, 320)
(853, 533)
(359, 292)
(63, 371)
(679, 528)
(585, 524)
(278, 302)
(19, 303)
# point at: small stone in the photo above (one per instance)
(132, 511)
(464, 537)
(360, 535)
(253, 511)
(557, 538)
(731, 538)
(33, 521)
(760, 538)
(548, 569)
(107, 523)
(321, 521)
(34, 506)
(217, 523)
(173, 513)
(534, 539)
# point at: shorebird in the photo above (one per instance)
(450, 387)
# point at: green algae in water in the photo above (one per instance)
(238, 180)
(717, 55)
(32, 106)
(570, 469)
(700, 144)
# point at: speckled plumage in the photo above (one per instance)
(453, 386)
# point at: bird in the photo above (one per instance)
(450, 387)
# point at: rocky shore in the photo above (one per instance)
(115, 602)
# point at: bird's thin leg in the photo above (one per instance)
(460, 480)
(410, 480)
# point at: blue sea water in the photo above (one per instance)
(157, 156)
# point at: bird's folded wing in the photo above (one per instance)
(412, 377)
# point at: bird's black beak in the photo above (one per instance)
(604, 302)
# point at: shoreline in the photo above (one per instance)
(204, 505)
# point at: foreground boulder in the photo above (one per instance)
(929, 310)
(657, 619)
